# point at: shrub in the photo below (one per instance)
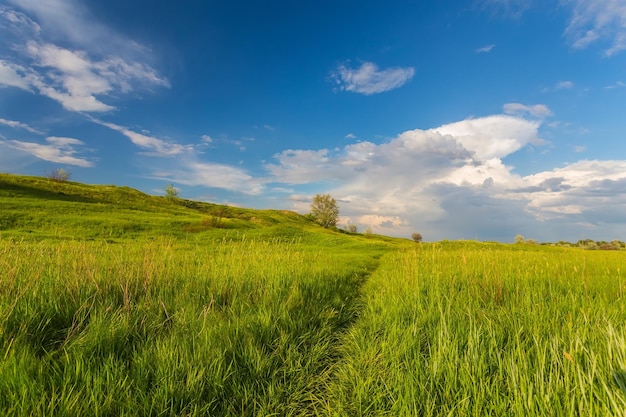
(60, 175)
(417, 237)
(171, 191)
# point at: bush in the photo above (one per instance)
(417, 237)
(171, 191)
(60, 175)
(352, 228)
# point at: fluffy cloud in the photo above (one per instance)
(452, 182)
(58, 149)
(368, 79)
(101, 63)
(11, 76)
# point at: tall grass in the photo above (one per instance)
(170, 328)
(479, 329)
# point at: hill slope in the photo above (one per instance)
(41, 208)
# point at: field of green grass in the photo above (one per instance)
(116, 303)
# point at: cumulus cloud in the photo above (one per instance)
(452, 182)
(368, 79)
(80, 77)
(58, 149)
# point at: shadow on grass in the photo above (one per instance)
(620, 379)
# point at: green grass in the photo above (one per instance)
(487, 329)
(117, 303)
(164, 328)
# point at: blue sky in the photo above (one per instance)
(476, 119)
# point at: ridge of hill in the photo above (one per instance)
(42, 208)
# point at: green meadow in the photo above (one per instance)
(117, 303)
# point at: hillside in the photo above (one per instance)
(41, 208)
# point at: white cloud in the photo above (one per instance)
(213, 175)
(452, 182)
(580, 149)
(564, 85)
(368, 79)
(485, 49)
(19, 125)
(350, 136)
(59, 149)
(585, 188)
(100, 64)
(493, 136)
(153, 146)
(538, 110)
(206, 139)
(10, 76)
(597, 20)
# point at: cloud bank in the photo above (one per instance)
(452, 182)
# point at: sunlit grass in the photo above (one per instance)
(167, 328)
(487, 330)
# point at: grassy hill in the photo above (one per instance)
(41, 208)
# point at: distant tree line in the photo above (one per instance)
(588, 244)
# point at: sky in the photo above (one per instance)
(476, 119)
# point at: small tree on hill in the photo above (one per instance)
(171, 191)
(519, 239)
(324, 210)
(60, 175)
(417, 237)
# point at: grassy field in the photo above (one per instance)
(116, 303)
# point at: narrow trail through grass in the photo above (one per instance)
(163, 327)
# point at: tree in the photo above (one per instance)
(60, 175)
(519, 239)
(324, 210)
(171, 191)
(352, 228)
(417, 237)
